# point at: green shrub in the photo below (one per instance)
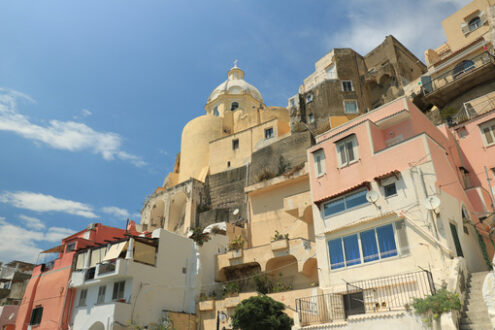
(433, 306)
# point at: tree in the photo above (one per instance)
(260, 313)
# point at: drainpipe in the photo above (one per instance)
(61, 323)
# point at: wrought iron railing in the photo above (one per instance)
(363, 297)
(475, 108)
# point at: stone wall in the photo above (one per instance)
(268, 160)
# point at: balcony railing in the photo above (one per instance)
(384, 294)
(461, 70)
(474, 108)
(107, 268)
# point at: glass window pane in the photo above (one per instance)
(390, 189)
(336, 254)
(343, 158)
(333, 207)
(368, 244)
(386, 241)
(356, 199)
(351, 246)
(488, 135)
(350, 151)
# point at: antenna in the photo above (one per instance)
(372, 196)
(432, 202)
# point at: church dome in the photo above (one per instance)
(235, 84)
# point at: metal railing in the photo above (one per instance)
(363, 297)
(444, 79)
(474, 108)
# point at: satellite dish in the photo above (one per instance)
(372, 196)
(432, 202)
(236, 212)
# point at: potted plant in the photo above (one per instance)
(235, 247)
(432, 307)
(198, 236)
(280, 241)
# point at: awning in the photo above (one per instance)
(115, 251)
(379, 178)
(96, 256)
(59, 248)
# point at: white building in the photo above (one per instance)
(138, 280)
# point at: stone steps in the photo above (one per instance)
(475, 313)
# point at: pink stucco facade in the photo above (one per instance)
(396, 138)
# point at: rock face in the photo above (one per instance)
(475, 312)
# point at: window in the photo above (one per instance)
(228, 163)
(488, 132)
(235, 144)
(331, 72)
(390, 189)
(344, 203)
(309, 98)
(475, 23)
(347, 150)
(351, 106)
(347, 86)
(82, 297)
(462, 67)
(269, 133)
(70, 247)
(215, 112)
(36, 316)
(311, 118)
(101, 294)
(234, 106)
(319, 160)
(118, 290)
(366, 246)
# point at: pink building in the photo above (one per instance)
(47, 301)
(392, 214)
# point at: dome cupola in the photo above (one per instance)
(235, 85)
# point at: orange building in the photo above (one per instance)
(48, 299)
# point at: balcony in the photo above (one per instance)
(468, 73)
(299, 206)
(299, 250)
(386, 294)
(103, 270)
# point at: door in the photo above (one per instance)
(457, 243)
(354, 304)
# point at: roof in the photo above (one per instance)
(343, 192)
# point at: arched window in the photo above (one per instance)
(474, 23)
(234, 106)
(215, 112)
(462, 67)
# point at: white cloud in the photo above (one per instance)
(32, 222)
(64, 135)
(46, 203)
(86, 113)
(416, 24)
(116, 211)
(18, 243)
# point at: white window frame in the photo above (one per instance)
(272, 133)
(331, 72)
(309, 98)
(319, 162)
(99, 299)
(387, 182)
(345, 108)
(347, 81)
(344, 142)
(311, 118)
(83, 295)
(362, 263)
(490, 125)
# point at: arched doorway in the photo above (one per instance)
(97, 326)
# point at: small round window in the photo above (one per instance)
(234, 106)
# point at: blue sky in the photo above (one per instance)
(94, 94)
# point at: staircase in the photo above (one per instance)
(475, 314)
